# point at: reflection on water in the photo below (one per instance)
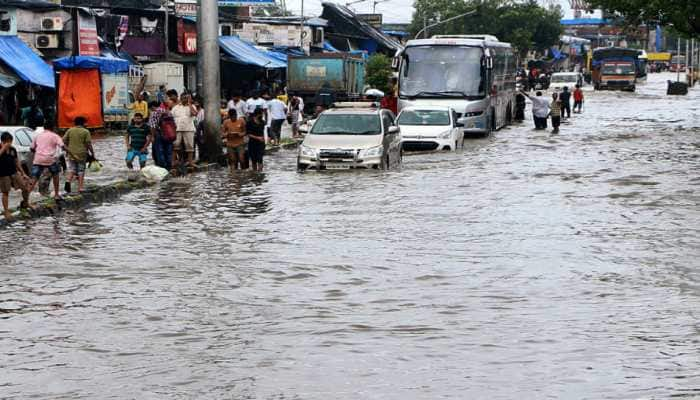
(562, 267)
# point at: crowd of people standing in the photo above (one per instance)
(171, 127)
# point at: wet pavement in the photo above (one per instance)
(526, 266)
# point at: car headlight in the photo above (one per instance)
(372, 152)
(307, 151)
(445, 135)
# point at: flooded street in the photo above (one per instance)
(525, 266)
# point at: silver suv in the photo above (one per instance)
(352, 135)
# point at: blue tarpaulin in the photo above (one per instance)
(28, 66)
(106, 65)
(245, 53)
(327, 46)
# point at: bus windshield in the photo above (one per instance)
(445, 71)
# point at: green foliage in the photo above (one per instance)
(379, 72)
(684, 15)
(525, 25)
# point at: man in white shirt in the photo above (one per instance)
(540, 110)
(278, 113)
(184, 114)
(236, 103)
(255, 101)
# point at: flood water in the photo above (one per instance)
(526, 266)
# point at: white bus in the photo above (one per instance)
(472, 74)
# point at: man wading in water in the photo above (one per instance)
(540, 110)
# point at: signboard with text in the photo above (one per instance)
(186, 8)
(88, 44)
(115, 95)
(373, 19)
(225, 3)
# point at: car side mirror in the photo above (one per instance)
(393, 130)
(461, 122)
(395, 63)
(303, 129)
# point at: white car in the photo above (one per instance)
(430, 128)
(560, 80)
(351, 136)
(22, 140)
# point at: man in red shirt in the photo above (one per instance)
(578, 99)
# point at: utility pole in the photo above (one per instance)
(208, 53)
(301, 28)
(426, 26)
(166, 30)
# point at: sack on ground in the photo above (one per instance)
(153, 173)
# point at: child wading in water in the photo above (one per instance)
(12, 175)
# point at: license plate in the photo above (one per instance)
(337, 166)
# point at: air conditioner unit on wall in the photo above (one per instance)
(52, 24)
(47, 41)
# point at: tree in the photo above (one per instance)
(684, 15)
(525, 25)
(379, 72)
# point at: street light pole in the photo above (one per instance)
(301, 28)
(208, 52)
(426, 28)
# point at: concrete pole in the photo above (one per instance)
(166, 30)
(208, 52)
(200, 70)
(301, 27)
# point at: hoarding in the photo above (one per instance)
(88, 44)
(223, 3)
(186, 8)
(115, 95)
(373, 19)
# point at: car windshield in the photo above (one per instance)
(424, 117)
(618, 69)
(563, 78)
(347, 124)
(22, 138)
(446, 71)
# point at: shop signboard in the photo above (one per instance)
(186, 8)
(240, 3)
(373, 19)
(115, 96)
(88, 44)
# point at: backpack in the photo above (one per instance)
(168, 129)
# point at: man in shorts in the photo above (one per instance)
(78, 145)
(184, 114)
(278, 114)
(12, 175)
(46, 147)
(234, 131)
(138, 138)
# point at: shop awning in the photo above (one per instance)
(245, 53)
(28, 66)
(106, 65)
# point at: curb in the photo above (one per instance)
(95, 195)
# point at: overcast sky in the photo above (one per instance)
(393, 10)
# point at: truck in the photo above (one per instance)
(342, 73)
(616, 68)
(170, 75)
